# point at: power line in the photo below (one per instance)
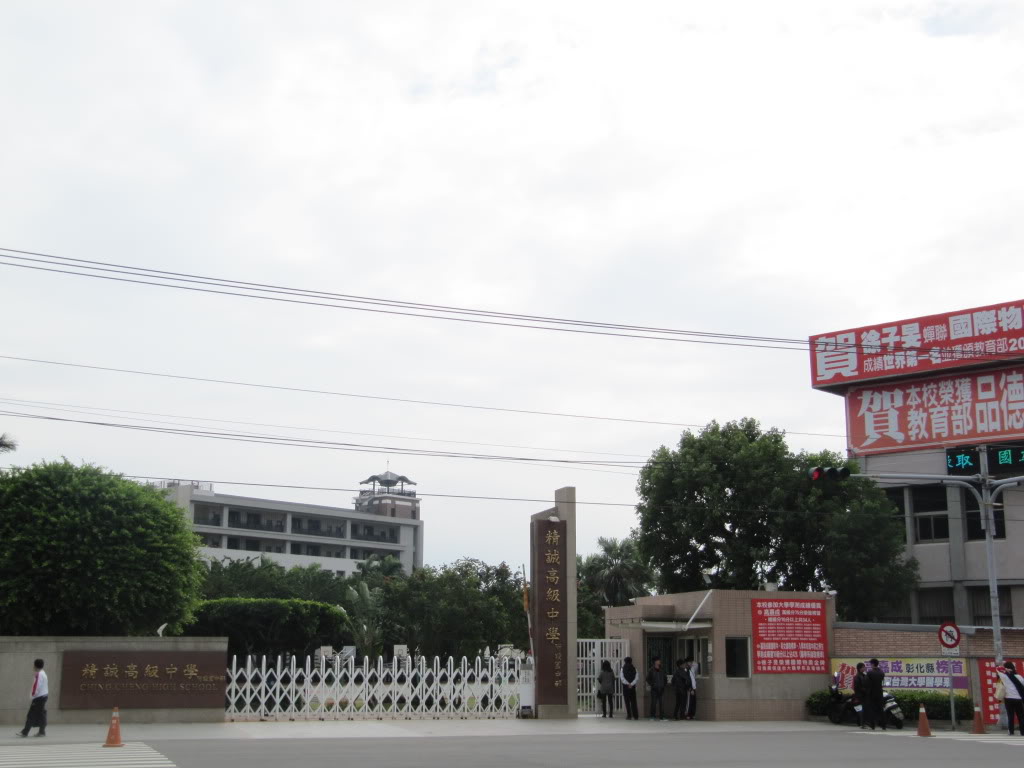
(172, 279)
(283, 388)
(345, 301)
(50, 405)
(324, 444)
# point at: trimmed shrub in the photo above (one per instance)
(935, 704)
(270, 626)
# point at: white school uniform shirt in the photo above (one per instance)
(1011, 689)
(40, 686)
(693, 678)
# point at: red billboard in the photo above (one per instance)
(921, 345)
(790, 635)
(955, 409)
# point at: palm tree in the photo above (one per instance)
(7, 443)
(618, 572)
(363, 619)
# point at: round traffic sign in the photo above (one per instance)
(949, 634)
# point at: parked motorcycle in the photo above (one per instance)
(842, 707)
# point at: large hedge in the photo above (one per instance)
(270, 626)
(87, 552)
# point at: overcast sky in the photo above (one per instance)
(768, 168)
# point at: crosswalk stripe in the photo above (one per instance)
(82, 756)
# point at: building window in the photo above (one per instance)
(737, 657)
(232, 542)
(698, 649)
(981, 607)
(935, 606)
(206, 514)
(931, 528)
(972, 517)
(929, 498)
(313, 549)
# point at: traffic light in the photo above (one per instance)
(820, 474)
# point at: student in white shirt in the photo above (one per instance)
(1013, 684)
(37, 711)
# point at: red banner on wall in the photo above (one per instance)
(956, 409)
(790, 636)
(921, 345)
(990, 705)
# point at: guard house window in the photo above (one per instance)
(931, 519)
(981, 607)
(972, 519)
(737, 657)
(935, 606)
(698, 649)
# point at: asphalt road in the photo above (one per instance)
(839, 747)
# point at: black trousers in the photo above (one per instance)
(36, 715)
(874, 712)
(691, 704)
(607, 704)
(1014, 708)
(657, 702)
(629, 696)
(682, 704)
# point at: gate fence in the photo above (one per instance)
(336, 689)
(589, 655)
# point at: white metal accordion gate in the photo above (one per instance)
(336, 689)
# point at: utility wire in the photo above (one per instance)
(78, 408)
(282, 388)
(172, 279)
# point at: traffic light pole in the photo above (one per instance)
(990, 491)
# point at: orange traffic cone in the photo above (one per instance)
(979, 724)
(923, 729)
(114, 731)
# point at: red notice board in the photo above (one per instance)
(790, 635)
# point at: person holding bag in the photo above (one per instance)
(1013, 692)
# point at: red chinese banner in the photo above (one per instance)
(970, 407)
(990, 705)
(790, 636)
(922, 345)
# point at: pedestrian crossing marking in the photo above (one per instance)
(131, 755)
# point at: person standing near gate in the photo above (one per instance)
(629, 678)
(657, 681)
(860, 693)
(681, 687)
(37, 711)
(691, 695)
(874, 711)
(606, 689)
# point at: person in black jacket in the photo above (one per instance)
(681, 686)
(875, 714)
(657, 681)
(860, 694)
(629, 678)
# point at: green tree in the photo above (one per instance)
(589, 604)
(87, 552)
(364, 619)
(7, 443)
(733, 503)
(617, 572)
(252, 577)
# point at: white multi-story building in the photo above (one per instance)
(385, 521)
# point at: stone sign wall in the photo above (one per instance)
(142, 680)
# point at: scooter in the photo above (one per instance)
(842, 707)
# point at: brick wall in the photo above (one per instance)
(863, 642)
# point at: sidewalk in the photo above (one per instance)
(399, 729)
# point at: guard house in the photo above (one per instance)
(758, 653)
